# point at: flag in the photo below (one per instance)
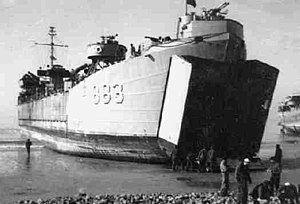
(191, 2)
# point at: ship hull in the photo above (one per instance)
(134, 149)
(291, 130)
(290, 125)
(290, 122)
(186, 101)
(94, 108)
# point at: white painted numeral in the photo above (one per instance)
(107, 93)
(106, 96)
(118, 93)
(96, 94)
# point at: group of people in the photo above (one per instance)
(286, 193)
(204, 161)
(133, 52)
(263, 191)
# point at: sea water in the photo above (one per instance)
(47, 174)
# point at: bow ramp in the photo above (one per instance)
(209, 103)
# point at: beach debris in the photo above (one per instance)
(140, 198)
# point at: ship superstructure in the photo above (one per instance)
(192, 91)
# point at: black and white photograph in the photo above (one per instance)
(170, 102)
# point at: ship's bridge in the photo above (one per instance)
(211, 22)
(192, 25)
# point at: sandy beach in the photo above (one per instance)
(48, 174)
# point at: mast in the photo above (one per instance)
(186, 7)
(52, 33)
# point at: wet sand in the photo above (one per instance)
(48, 174)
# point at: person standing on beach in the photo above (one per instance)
(242, 176)
(189, 162)
(27, 145)
(174, 158)
(275, 170)
(211, 160)
(225, 177)
(202, 155)
(278, 154)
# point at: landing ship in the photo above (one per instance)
(196, 89)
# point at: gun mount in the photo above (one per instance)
(215, 13)
(109, 39)
(108, 51)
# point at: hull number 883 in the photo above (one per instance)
(106, 94)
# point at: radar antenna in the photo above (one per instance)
(52, 33)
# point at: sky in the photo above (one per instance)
(271, 28)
